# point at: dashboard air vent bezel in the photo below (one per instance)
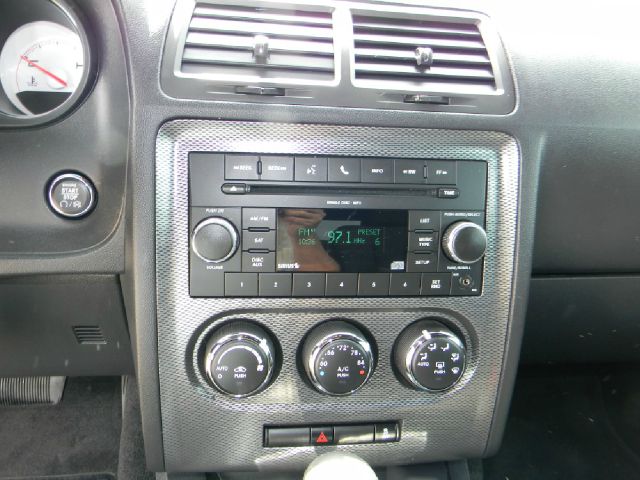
(259, 43)
(344, 89)
(420, 53)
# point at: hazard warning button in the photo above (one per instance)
(321, 436)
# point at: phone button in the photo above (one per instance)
(344, 170)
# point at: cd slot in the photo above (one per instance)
(323, 189)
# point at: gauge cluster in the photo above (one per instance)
(46, 63)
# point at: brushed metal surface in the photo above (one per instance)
(205, 431)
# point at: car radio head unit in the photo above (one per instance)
(305, 226)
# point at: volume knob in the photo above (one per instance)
(464, 242)
(215, 240)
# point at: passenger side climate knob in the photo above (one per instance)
(429, 356)
(337, 357)
(215, 240)
(239, 359)
(464, 242)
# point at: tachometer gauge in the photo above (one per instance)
(41, 66)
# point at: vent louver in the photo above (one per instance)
(252, 44)
(410, 53)
(89, 335)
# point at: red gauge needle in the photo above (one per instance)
(44, 70)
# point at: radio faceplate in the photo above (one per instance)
(308, 226)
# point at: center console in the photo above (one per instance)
(325, 287)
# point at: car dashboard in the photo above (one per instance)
(314, 227)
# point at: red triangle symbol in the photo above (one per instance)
(322, 438)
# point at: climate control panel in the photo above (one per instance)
(337, 356)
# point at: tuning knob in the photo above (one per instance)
(429, 356)
(464, 242)
(239, 359)
(215, 240)
(337, 358)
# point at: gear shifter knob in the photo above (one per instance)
(339, 466)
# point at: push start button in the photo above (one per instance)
(71, 195)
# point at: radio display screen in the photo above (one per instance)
(339, 240)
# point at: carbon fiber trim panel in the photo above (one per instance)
(205, 431)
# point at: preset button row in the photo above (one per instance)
(336, 284)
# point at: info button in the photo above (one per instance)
(377, 170)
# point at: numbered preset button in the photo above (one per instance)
(275, 284)
(241, 284)
(308, 284)
(404, 284)
(341, 285)
(373, 285)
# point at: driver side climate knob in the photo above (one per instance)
(464, 242)
(239, 359)
(429, 356)
(337, 357)
(215, 240)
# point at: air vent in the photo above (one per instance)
(254, 44)
(89, 335)
(422, 54)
